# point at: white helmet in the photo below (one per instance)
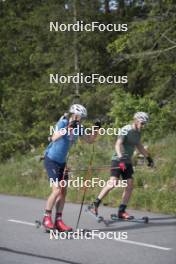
(142, 117)
(78, 109)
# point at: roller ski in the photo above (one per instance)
(93, 211)
(124, 216)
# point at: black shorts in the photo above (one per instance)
(55, 170)
(116, 172)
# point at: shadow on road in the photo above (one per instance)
(132, 226)
(37, 256)
(163, 218)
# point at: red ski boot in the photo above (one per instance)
(60, 226)
(47, 223)
(124, 215)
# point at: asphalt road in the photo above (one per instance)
(22, 243)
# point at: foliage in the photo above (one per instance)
(29, 53)
(124, 105)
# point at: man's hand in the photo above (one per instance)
(150, 162)
(122, 166)
(73, 124)
(97, 123)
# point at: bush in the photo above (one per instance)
(124, 105)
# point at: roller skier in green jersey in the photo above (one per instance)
(121, 166)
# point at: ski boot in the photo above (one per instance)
(47, 223)
(60, 226)
(124, 215)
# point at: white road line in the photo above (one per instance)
(21, 222)
(139, 243)
(117, 240)
(142, 244)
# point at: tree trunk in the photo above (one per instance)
(107, 9)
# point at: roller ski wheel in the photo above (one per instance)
(146, 219)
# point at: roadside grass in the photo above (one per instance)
(155, 189)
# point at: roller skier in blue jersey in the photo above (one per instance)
(55, 162)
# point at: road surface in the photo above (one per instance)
(22, 243)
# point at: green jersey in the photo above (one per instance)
(131, 138)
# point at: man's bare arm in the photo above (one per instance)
(142, 150)
(119, 147)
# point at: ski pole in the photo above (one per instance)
(85, 188)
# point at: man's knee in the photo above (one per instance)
(56, 192)
(112, 183)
